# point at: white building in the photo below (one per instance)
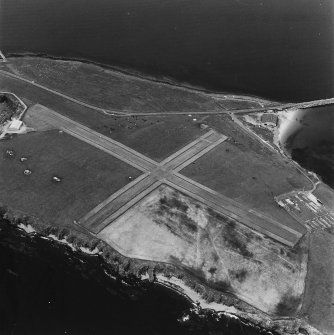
(15, 125)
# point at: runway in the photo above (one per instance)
(165, 172)
(227, 207)
(275, 106)
(98, 140)
(101, 216)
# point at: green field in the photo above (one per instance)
(318, 305)
(155, 137)
(114, 90)
(87, 175)
(248, 178)
(326, 195)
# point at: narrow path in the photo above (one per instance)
(277, 106)
(31, 82)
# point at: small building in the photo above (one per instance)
(269, 119)
(15, 125)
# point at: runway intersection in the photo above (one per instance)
(167, 172)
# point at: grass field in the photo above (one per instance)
(171, 227)
(87, 175)
(326, 195)
(318, 305)
(113, 90)
(248, 178)
(156, 137)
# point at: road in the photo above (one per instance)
(273, 107)
(101, 216)
(3, 57)
(105, 213)
(277, 106)
(166, 172)
(33, 83)
(158, 173)
(227, 207)
(98, 140)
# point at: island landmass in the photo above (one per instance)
(182, 187)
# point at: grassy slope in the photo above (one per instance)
(157, 137)
(318, 305)
(113, 90)
(326, 195)
(89, 176)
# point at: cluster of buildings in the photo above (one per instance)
(15, 125)
(269, 119)
(11, 113)
(308, 210)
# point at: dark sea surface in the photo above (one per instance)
(275, 49)
(45, 288)
(311, 143)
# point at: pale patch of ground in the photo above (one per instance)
(318, 306)
(168, 226)
(197, 216)
(4, 130)
(137, 234)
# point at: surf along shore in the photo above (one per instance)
(132, 270)
(164, 273)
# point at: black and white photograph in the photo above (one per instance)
(166, 167)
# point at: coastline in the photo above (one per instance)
(131, 271)
(146, 77)
(89, 244)
(289, 123)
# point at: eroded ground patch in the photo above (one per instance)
(170, 227)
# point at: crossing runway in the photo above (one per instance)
(165, 172)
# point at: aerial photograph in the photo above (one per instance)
(167, 167)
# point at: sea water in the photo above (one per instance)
(276, 49)
(46, 288)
